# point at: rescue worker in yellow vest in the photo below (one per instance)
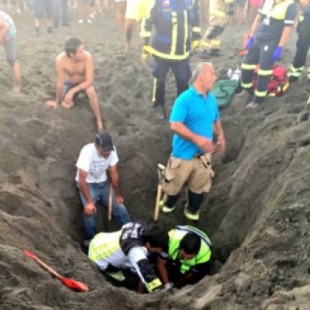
(177, 28)
(188, 257)
(127, 249)
(219, 12)
(302, 44)
(269, 33)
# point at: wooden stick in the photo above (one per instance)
(110, 206)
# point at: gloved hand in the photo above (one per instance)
(195, 44)
(277, 53)
(168, 286)
(146, 52)
(249, 43)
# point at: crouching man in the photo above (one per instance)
(75, 73)
(187, 260)
(128, 249)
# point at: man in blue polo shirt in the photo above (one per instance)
(193, 120)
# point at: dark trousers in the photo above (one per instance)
(260, 53)
(302, 44)
(182, 73)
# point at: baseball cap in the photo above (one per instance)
(104, 139)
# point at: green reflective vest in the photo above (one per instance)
(175, 237)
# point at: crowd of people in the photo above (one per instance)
(170, 31)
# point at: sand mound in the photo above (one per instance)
(257, 213)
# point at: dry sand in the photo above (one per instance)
(257, 213)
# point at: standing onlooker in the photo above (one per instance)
(7, 39)
(269, 33)
(95, 160)
(194, 118)
(302, 44)
(43, 9)
(84, 12)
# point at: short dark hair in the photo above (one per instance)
(190, 243)
(71, 45)
(156, 236)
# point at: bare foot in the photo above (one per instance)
(51, 104)
(17, 88)
(67, 105)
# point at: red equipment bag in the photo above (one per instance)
(278, 84)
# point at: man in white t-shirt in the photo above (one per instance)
(94, 161)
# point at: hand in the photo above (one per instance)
(168, 286)
(146, 52)
(68, 100)
(90, 209)
(195, 44)
(51, 103)
(249, 43)
(119, 199)
(204, 144)
(277, 53)
(220, 146)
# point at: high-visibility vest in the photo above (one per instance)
(277, 10)
(175, 237)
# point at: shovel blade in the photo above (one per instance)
(75, 285)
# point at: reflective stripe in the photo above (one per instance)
(247, 85)
(262, 72)
(185, 31)
(151, 286)
(154, 90)
(174, 33)
(196, 29)
(169, 56)
(260, 94)
(248, 66)
(295, 72)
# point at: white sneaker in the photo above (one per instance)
(81, 21)
(252, 105)
(89, 21)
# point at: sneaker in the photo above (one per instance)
(166, 209)
(252, 105)
(81, 21)
(89, 21)
(192, 216)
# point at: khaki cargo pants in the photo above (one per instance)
(196, 172)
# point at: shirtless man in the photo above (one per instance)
(77, 65)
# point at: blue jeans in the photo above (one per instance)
(100, 192)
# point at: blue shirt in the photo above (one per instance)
(198, 114)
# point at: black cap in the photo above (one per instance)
(104, 139)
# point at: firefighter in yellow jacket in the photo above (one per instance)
(219, 11)
(176, 28)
